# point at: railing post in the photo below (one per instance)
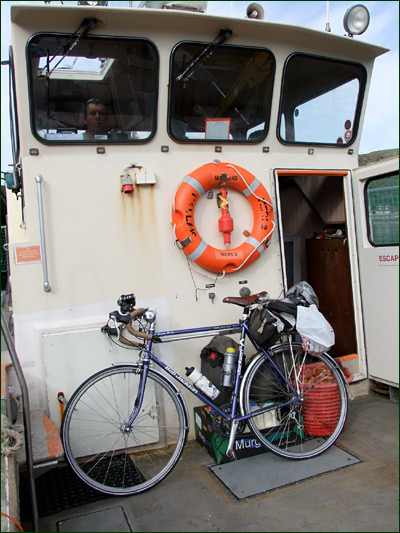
(27, 419)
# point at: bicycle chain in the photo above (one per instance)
(223, 426)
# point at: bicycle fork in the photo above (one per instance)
(126, 427)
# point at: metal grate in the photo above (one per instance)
(60, 489)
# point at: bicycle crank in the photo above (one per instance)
(223, 426)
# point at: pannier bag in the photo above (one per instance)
(264, 326)
(316, 332)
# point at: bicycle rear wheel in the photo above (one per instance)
(108, 457)
(300, 424)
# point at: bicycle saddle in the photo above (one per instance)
(244, 301)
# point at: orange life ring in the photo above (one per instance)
(195, 185)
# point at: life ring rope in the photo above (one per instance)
(192, 187)
(251, 190)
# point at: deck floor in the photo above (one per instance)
(360, 497)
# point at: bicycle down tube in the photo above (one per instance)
(186, 334)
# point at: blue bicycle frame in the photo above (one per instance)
(183, 334)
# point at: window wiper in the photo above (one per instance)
(70, 44)
(206, 53)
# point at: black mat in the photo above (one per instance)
(60, 489)
(56, 490)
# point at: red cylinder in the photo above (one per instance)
(127, 188)
(225, 222)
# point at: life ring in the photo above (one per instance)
(192, 188)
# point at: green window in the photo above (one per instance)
(382, 210)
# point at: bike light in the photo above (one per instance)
(356, 20)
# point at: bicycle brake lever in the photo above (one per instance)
(112, 330)
(117, 316)
(109, 330)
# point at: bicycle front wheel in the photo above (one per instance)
(107, 456)
(307, 398)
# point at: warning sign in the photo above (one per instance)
(27, 254)
(388, 259)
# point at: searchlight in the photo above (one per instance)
(356, 20)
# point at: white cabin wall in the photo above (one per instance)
(102, 243)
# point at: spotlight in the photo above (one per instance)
(356, 20)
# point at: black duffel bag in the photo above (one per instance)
(212, 359)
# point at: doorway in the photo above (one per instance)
(318, 240)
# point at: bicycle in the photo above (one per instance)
(125, 427)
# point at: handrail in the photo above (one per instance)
(46, 284)
(26, 415)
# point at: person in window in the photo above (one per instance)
(95, 119)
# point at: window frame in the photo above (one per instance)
(366, 205)
(32, 108)
(218, 141)
(358, 108)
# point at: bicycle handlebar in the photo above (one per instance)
(128, 314)
(125, 321)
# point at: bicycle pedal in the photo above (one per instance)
(232, 455)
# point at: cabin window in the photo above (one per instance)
(321, 101)
(382, 210)
(104, 89)
(225, 96)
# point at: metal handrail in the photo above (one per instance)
(26, 416)
(46, 284)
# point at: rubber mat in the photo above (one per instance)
(57, 490)
(261, 474)
(60, 489)
(111, 519)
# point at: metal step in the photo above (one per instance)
(46, 443)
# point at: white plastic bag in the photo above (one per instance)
(316, 332)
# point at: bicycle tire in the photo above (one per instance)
(107, 457)
(303, 424)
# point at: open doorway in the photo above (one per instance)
(314, 231)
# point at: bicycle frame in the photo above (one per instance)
(184, 334)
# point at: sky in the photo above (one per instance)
(381, 125)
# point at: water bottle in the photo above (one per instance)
(229, 368)
(202, 383)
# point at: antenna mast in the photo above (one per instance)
(328, 26)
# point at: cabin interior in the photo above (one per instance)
(316, 248)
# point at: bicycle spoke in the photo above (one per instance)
(108, 455)
(309, 397)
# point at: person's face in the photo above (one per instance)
(95, 119)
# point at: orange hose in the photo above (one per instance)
(13, 520)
